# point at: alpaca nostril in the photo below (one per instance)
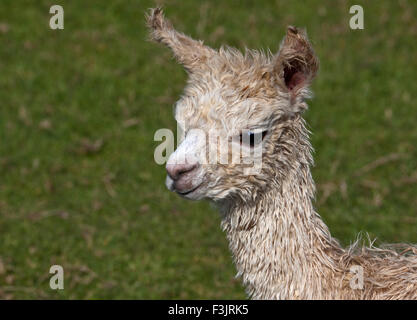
(176, 170)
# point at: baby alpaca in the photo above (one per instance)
(281, 247)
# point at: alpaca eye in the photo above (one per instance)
(252, 138)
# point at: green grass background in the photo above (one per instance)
(79, 108)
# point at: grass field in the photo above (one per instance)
(79, 107)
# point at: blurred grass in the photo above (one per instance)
(79, 108)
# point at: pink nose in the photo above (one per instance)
(175, 171)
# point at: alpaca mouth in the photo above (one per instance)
(185, 193)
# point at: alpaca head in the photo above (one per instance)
(234, 112)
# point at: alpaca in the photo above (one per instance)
(281, 247)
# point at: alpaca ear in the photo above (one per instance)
(189, 52)
(295, 64)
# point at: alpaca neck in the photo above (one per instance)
(281, 247)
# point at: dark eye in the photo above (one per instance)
(252, 137)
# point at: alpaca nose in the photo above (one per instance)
(175, 171)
